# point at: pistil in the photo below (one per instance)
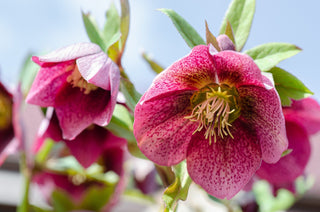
(215, 107)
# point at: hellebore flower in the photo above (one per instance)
(94, 144)
(217, 111)
(80, 82)
(10, 129)
(302, 121)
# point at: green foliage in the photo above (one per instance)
(131, 94)
(288, 86)
(28, 73)
(178, 190)
(267, 202)
(153, 65)
(211, 38)
(93, 30)
(268, 55)
(124, 23)
(188, 33)
(240, 15)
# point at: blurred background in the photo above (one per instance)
(38, 27)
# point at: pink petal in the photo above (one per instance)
(192, 72)
(261, 108)
(289, 167)
(71, 52)
(76, 110)
(161, 130)
(225, 167)
(47, 84)
(237, 69)
(306, 112)
(87, 146)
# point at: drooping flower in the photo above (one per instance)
(10, 129)
(80, 82)
(94, 144)
(302, 120)
(217, 111)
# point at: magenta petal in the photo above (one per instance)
(306, 112)
(261, 108)
(289, 167)
(237, 68)
(161, 130)
(70, 52)
(189, 73)
(88, 145)
(47, 84)
(76, 110)
(225, 167)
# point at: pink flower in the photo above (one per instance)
(94, 144)
(10, 128)
(217, 111)
(80, 82)
(302, 121)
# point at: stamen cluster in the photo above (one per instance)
(213, 107)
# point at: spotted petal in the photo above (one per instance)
(261, 108)
(226, 166)
(306, 112)
(192, 72)
(162, 132)
(289, 167)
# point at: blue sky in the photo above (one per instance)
(40, 26)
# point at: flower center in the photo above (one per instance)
(5, 112)
(215, 107)
(76, 80)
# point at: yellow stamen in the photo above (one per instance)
(215, 108)
(76, 79)
(5, 111)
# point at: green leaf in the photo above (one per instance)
(27, 74)
(121, 125)
(93, 30)
(112, 24)
(268, 55)
(61, 201)
(179, 189)
(240, 15)
(124, 23)
(188, 33)
(229, 32)
(288, 86)
(153, 65)
(131, 94)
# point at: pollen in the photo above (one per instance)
(215, 107)
(76, 80)
(5, 112)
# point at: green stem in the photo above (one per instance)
(24, 206)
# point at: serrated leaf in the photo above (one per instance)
(268, 55)
(288, 86)
(93, 31)
(153, 65)
(27, 74)
(188, 33)
(178, 190)
(240, 15)
(210, 38)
